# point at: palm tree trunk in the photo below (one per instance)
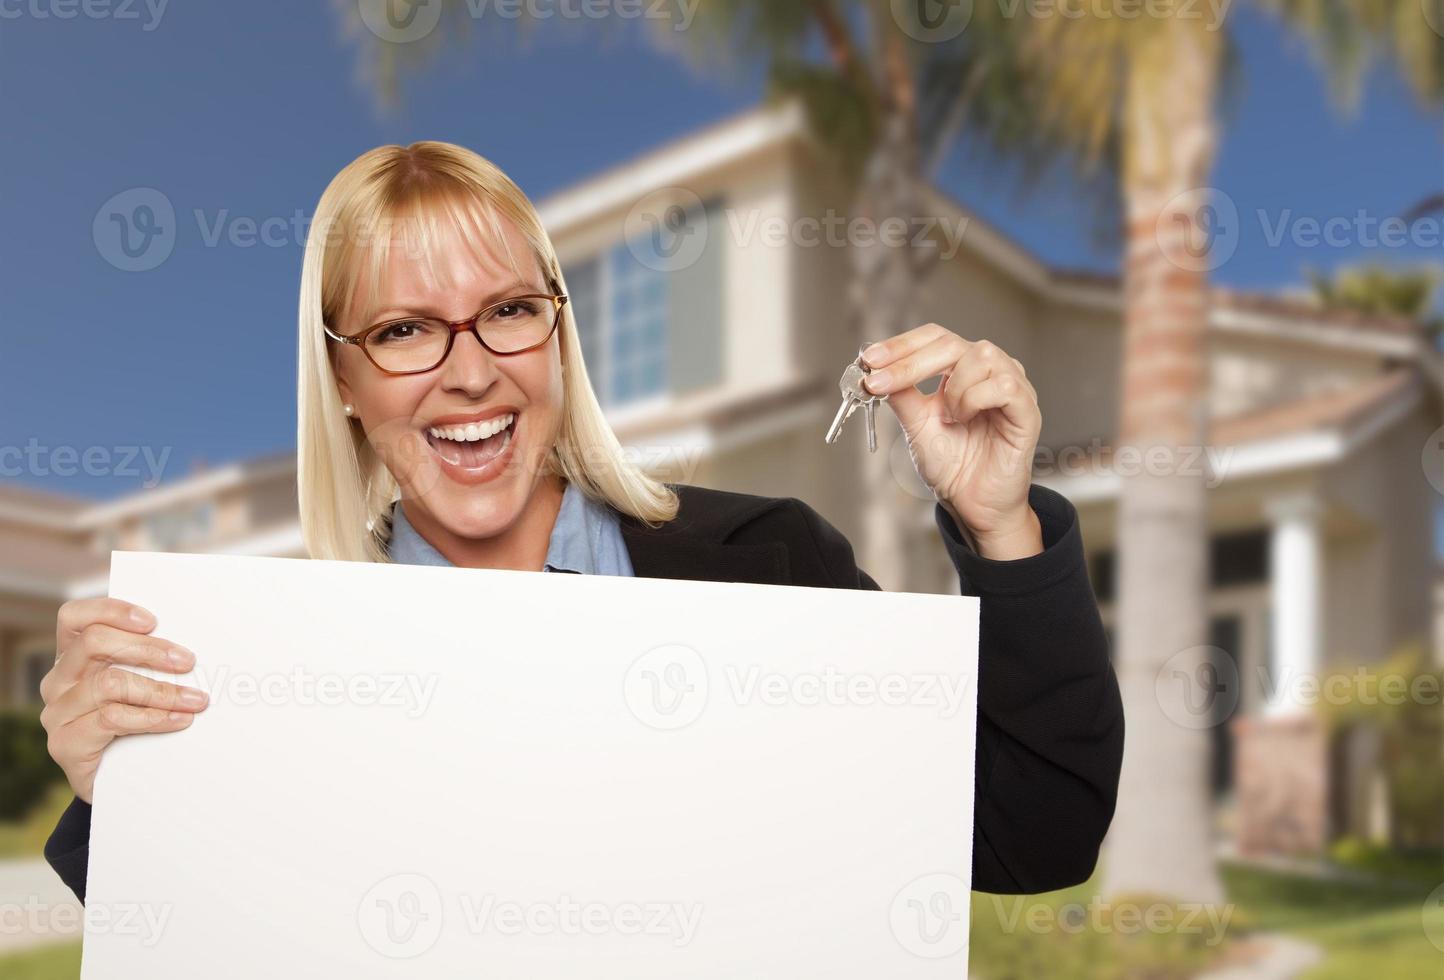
(1161, 842)
(884, 285)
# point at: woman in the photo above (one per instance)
(485, 426)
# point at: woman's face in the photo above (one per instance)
(468, 488)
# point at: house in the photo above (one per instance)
(705, 277)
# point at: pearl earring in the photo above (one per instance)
(349, 409)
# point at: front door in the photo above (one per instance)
(1225, 633)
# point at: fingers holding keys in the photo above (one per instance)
(1005, 390)
(972, 439)
(900, 363)
(911, 357)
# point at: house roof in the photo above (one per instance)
(1344, 409)
(1311, 431)
(14, 496)
(682, 160)
(1275, 305)
(1295, 307)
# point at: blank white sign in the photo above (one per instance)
(445, 772)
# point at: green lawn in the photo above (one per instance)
(26, 838)
(1368, 931)
(1073, 935)
(47, 963)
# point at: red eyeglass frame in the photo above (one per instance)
(456, 327)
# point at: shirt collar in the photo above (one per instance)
(573, 547)
(577, 535)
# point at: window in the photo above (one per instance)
(1239, 558)
(1102, 573)
(176, 530)
(636, 356)
(648, 331)
(1225, 635)
(584, 287)
(1235, 558)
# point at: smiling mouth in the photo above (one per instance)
(473, 445)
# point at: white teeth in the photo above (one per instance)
(474, 431)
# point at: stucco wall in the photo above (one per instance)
(1250, 373)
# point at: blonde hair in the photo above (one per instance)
(345, 490)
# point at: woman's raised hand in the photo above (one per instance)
(972, 440)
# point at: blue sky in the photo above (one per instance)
(240, 115)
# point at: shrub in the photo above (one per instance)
(26, 770)
(1411, 728)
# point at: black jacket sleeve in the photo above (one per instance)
(68, 849)
(1050, 719)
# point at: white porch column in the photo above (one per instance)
(1296, 577)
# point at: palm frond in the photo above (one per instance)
(1350, 36)
(840, 114)
(1377, 289)
(718, 34)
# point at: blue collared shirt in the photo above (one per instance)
(586, 539)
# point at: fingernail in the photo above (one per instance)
(175, 716)
(871, 353)
(141, 618)
(192, 698)
(180, 657)
(877, 380)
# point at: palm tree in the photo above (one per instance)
(1157, 82)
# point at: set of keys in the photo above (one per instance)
(855, 395)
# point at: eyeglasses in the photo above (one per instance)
(417, 344)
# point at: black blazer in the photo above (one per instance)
(1050, 721)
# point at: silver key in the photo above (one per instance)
(844, 412)
(854, 395)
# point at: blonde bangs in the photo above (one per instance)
(416, 198)
(421, 225)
